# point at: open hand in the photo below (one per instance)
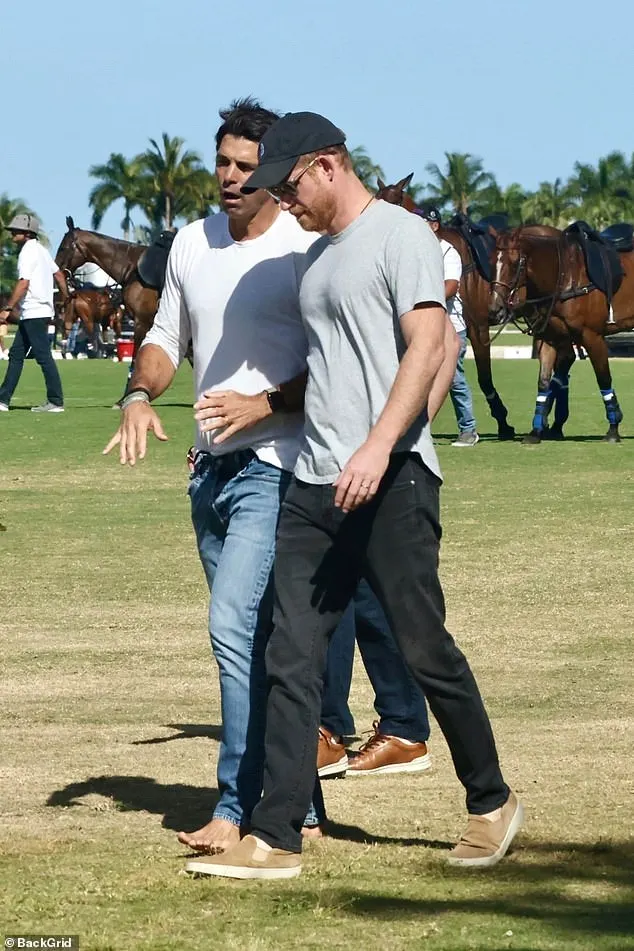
(131, 437)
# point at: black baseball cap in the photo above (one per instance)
(430, 213)
(295, 134)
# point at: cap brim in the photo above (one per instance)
(269, 175)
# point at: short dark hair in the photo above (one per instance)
(245, 118)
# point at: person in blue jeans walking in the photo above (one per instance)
(460, 391)
(33, 295)
(232, 287)
(398, 743)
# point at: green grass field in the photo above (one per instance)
(110, 707)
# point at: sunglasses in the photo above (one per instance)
(288, 189)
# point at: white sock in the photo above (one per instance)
(262, 844)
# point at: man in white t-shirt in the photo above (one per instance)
(33, 293)
(460, 392)
(232, 287)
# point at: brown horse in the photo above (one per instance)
(474, 292)
(540, 274)
(119, 259)
(96, 309)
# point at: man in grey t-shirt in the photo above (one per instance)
(365, 497)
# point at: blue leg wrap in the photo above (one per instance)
(612, 408)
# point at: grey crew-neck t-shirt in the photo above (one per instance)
(356, 286)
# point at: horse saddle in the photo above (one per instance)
(499, 221)
(153, 262)
(620, 236)
(480, 240)
(601, 258)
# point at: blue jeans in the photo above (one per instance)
(235, 502)
(32, 334)
(460, 392)
(398, 699)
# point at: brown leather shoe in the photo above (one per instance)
(388, 754)
(332, 759)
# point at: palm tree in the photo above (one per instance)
(119, 181)
(365, 168)
(174, 182)
(508, 201)
(462, 185)
(9, 207)
(605, 192)
(552, 204)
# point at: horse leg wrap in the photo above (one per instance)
(560, 388)
(542, 408)
(612, 408)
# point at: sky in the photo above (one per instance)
(529, 86)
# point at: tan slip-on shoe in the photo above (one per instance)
(388, 754)
(332, 758)
(484, 843)
(248, 860)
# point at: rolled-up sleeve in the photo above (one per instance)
(171, 330)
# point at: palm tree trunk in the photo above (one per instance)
(168, 212)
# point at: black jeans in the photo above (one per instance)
(398, 699)
(32, 334)
(321, 554)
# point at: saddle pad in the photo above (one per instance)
(602, 260)
(153, 262)
(481, 242)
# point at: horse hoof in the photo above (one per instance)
(506, 435)
(532, 439)
(554, 435)
(612, 437)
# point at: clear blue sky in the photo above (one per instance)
(530, 86)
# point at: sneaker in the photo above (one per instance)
(4, 407)
(484, 843)
(466, 439)
(248, 860)
(332, 758)
(47, 408)
(389, 754)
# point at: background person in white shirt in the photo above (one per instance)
(460, 391)
(33, 292)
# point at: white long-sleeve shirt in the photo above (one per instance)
(238, 301)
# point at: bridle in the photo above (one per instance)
(537, 325)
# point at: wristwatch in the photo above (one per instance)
(276, 400)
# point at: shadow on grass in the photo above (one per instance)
(186, 732)
(576, 889)
(189, 807)
(182, 807)
(548, 889)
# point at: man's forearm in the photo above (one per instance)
(294, 391)
(60, 280)
(153, 371)
(409, 394)
(444, 377)
(17, 294)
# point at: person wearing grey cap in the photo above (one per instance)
(364, 500)
(33, 293)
